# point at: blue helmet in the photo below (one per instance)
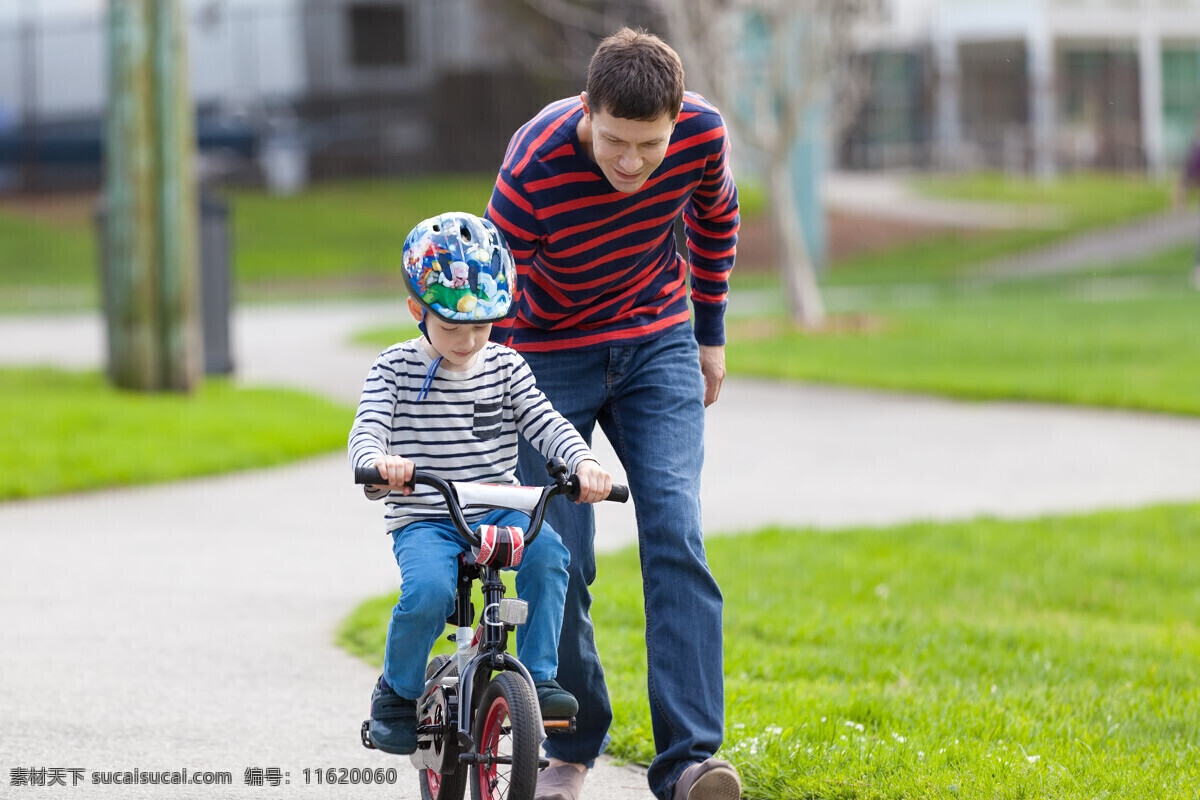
(458, 267)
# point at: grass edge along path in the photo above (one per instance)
(1138, 353)
(1046, 658)
(1077, 204)
(64, 431)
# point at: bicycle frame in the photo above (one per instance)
(490, 646)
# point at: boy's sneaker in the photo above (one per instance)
(555, 701)
(393, 727)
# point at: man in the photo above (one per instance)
(587, 197)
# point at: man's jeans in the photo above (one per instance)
(427, 552)
(649, 401)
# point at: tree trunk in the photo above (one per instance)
(128, 251)
(805, 305)
(150, 246)
(182, 345)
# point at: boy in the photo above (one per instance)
(451, 402)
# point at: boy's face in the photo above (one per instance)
(627, 150)
(458, 344)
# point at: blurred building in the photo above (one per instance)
(286, 90)
(347, 87)
(1036, 86)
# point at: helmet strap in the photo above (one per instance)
(421, 395)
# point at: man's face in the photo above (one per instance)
(628, 150)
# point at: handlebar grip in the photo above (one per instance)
(371, 475)
(368, 475)
(618, 494)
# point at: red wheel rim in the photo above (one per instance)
(489, 774)
(435, 782)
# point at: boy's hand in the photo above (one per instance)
(594, 482)
(397, 471)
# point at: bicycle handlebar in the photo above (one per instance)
(485, 495)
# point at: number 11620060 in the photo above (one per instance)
(335, 776)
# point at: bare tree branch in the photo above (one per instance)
(572, 15)
(768, 64)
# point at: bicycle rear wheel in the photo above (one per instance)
(436, 785)
(506, 731)
(442, 787)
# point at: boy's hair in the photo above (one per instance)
(635, 75)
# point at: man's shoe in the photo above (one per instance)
(393, 727)
(561, 782)
(709, 780)
(555, 701)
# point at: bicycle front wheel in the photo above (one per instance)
(508, 736)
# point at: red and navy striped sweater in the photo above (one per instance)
(598, 267)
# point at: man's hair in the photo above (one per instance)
(635, 75)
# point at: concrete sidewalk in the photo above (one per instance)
(191, 625)
(1097, 249)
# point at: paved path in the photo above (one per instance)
(1128, 242)
(191, 625)
(887, 195)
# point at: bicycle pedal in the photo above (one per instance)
(543, 763)
(563, 725)
(365, 735)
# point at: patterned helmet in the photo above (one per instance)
(459, 267)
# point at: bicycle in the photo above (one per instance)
(472, 723)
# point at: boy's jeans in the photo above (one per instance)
(427, 553)
(649, 401)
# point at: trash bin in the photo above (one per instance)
(216, 290)
(216, 251)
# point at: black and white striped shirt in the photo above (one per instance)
(464, 429)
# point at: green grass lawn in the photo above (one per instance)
(1036, 340)
(40, 252)
(1048, 658)
(346, 237)
(1092, 340)
(66, 432)
(1084, 198)
(338, 229)
(1125, 338)
(335, 238)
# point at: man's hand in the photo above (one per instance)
(594, 482)
(712, 365)
(397, 471)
